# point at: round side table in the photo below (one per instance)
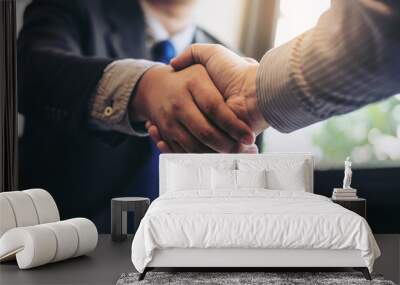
(119, 209)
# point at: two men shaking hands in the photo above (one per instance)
(215, 100)
(207, 102)
(88, 80)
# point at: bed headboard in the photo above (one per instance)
(307, 158)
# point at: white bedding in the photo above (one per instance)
(252, 218)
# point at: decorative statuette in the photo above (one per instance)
(347, 192)
(347, 174)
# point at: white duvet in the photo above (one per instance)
(254, 218)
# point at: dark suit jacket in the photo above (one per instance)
(63, 49)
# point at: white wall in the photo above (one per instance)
(223, 19)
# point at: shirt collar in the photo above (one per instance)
(155, 32)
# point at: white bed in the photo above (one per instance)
(279, 225)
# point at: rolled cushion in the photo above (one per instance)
(87, 234)
(7, 218)
(67, 240)
(37, 245)
(26, 208)
(23, 208)
(33, 246)
(45, 205)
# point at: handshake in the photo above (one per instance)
(204, 102)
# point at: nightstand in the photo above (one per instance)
(357, 205)
(119, 209)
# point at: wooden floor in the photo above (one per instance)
(103, 266)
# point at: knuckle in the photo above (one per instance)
(168, 126)
(214, 108)
(180, 137)
(207, 135)
(192, 81)
(231, 148)
(228, 147)
(153, 133)
(204, 134)
(197, 73)
(176, 106)
(198, 79)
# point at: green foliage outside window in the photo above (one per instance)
(371, 136)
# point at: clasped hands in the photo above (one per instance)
(204, 102)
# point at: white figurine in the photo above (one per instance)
(347, 174)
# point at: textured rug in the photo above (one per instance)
(244, 278)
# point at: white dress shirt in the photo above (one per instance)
(155, 32)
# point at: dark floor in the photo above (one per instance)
(103, 266)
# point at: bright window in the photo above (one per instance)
(371, 136)
(223, 19)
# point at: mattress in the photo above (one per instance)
(252, 219)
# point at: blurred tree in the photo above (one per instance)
(360, 134)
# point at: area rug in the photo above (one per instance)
(244, 278)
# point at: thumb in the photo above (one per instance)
(196, 53)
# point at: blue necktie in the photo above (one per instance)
(148, 177)
(163, 51)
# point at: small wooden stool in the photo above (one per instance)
(119, 209)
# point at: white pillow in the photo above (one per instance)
(251, 178)
(293, 180)
(182, 177)
(282, 174)
(223, 179)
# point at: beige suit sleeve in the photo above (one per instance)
(350, 59)
(109, 108)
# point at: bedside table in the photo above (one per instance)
(357, 205)
(119, 209)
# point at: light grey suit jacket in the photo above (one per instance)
(350, 59)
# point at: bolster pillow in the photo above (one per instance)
(40, 244)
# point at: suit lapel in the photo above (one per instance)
(127, 29)
(126, 34)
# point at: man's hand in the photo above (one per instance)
(164, 147)
(183, 104)
(234, 76)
